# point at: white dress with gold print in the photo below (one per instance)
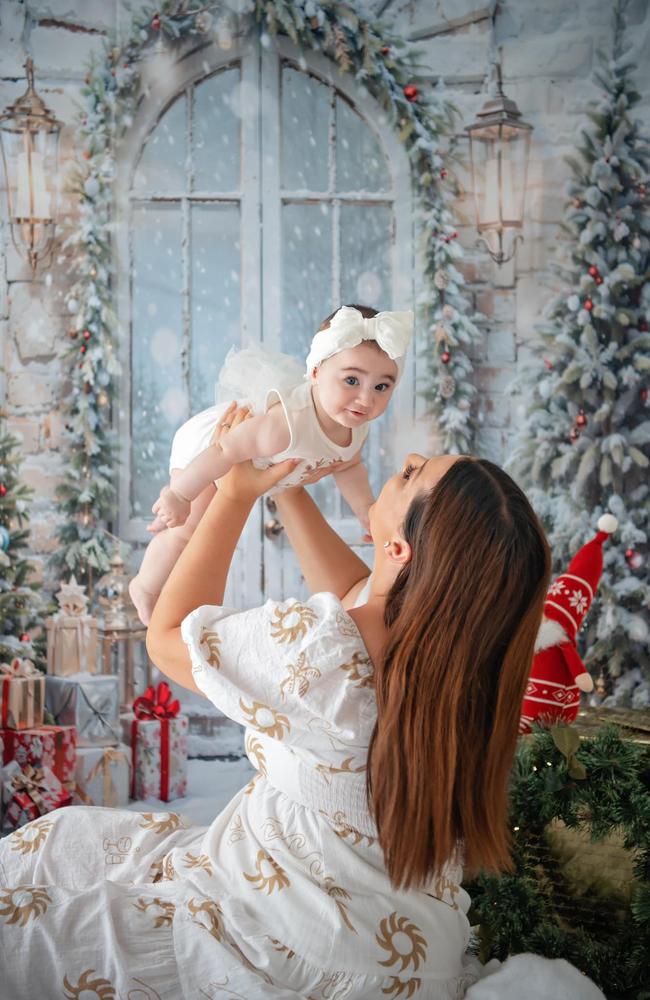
(284, 895)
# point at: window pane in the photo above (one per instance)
(215, 295)
(306, 274)
(360, 161)
(365, 255)
(216, 132)
(158, 403)
(162, 165)
(305, 132)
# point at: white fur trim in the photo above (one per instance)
(608, 523)
(550, 634)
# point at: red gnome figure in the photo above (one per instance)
(558, 674)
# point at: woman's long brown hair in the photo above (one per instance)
(462, 619)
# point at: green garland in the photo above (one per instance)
(602, 786)
(425, 125)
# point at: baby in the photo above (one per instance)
(354, 363)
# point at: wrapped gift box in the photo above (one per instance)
(22, 689)
(103, 776)
(30, 792)
(47, 746)
(89, 703)
(71, 644)
(157, 735)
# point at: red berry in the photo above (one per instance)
(581, 419)
(445, 357)
(3, 490)
(443, 174)
(574, 434)
(86, 154)
(643, 326)
(83, 348)
(588, 305)
(599, 280)
(644, 395)
(25, 637)
(593, 270)
(629, 553)
(411, 92)
(86, 334)
(155, 22)
(385, 50)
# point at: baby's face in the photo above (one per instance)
(356, 385)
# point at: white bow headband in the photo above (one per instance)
(391, 330)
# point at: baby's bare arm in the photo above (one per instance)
(259, 437)
(353, 484)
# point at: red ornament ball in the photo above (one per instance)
(588, 304)
(25, 637)
(598, 280)
(83, 349)
(581, 419)
(385, 50)
(155, 22)
(411, 92)
(643, 326)
(3, 490)
(593, 270)
(643, 395)
(443, 174)
(86, 334)
(86, 154)
(445, 357)
(549, 364)
(574, 434)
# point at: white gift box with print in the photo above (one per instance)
(158, 758)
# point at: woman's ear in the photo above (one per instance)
(399, 551)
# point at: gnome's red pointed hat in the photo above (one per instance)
(570, 595)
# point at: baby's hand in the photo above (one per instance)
(156, 525)
(365, 524)
(172, 509)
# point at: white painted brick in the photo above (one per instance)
(561, 54)
(29, 392)
(497, 409)
(28, 432)
(63, 53)
(500, 342)
(494, 379)
(94, 14)
(454, 55)
(532, 298)
(490, 444)
(12, 53)
(34, 323)
(42, 477)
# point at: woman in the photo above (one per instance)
(382, 718)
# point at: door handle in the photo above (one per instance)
(273, 528)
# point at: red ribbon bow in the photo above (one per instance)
(156, 703)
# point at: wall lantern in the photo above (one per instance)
(499, 145)
(29, 137)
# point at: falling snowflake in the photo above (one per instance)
(578, 601)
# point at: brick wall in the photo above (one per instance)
(548, 52)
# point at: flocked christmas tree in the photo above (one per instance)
(19, 598)
(584, 443)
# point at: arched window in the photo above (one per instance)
(259, 194)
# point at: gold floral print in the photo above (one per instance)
(236, 830)
(398, 987)
(162, 822)
(207, 914)
(200, 861)
(359, 670)
(338, 894)
(345, 831)
(332, 985)
(444, 885)
(29, 839)
(212, 641)
(23, 902)
(299, 677)
(346, 626)
(255, 750)
(275, 879)
(251, 784)
(266, 720)
(162, 870)
(101, 988)
(281, 947)
(402, 940)
(292, 623)
(166, 910)
(345, 768)
(155, 871)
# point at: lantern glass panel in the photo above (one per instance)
(499, 155)
(30, 160)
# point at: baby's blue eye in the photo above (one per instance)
(351, 380)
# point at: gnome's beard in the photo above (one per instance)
(550, 634)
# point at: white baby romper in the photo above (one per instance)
(260, 378)
(284, 895)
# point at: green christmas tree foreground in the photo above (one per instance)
(20, 602)
(584, 445)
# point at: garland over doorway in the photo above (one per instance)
(393, 75)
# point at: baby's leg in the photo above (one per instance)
(161, 554)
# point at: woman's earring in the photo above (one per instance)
(386, 544)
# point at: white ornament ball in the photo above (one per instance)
(608, 523)
(91, 187)
(73, 305)
(573, 303)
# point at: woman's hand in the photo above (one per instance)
(244, 482)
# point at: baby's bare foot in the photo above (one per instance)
(144, 601)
